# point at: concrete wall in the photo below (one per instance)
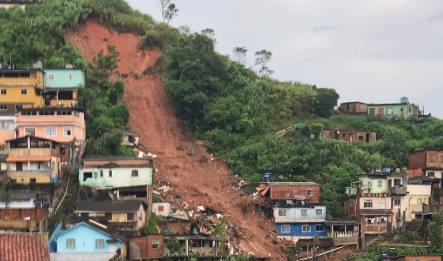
(64, 78)
(142, 247)
(119, 177)
(376, 202)
(284, 215)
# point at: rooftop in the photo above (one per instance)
(292, 183)
(24, 246)
(108, 206)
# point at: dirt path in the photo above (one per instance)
(182, 161)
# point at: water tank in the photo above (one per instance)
(386, 170)
(69, 66)
(267, 176)
(37, 65)
(404, 99)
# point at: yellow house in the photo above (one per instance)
(21, 88)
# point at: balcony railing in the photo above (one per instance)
(375, 228)
(398, 190)
(427, 209)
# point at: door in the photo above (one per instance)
(372, 111)
(19, 166)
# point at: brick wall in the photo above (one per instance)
(417, 160)
(142, 247)
(290, 191)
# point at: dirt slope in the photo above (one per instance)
(183, 162)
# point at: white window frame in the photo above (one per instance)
(66, 129)
(318, 211)
(99, 244)
(281, 212)
(368, 201)
(303, 230)
(70, 243)
(285, 229)
(49, 135)
(51, 77)
(379, 183)
(26, 130)
(310, 192)
(155, 244)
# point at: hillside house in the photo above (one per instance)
(86, 241)
(24, 246)
(426, 163)
(402, 111)
(195, 245)
(21, 88)
(301, 222)
(419, 191)
(62, 86)
(7, 127)
(59, 124)
(349, 136)
(290, 192)
(24, 211)
(371, 199)
(110, 172)
(343, 232)
(353, 108)
(146, 247)
(130, 138)
(33, 160)
(127, 217)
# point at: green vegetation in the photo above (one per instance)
(374, 254)
(153, 228)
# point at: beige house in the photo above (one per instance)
(127, 217)
(418, 193)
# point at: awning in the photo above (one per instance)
(26, 159)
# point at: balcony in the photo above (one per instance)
(429, 209)
(398, 190)
(342, 238)
(375, 228)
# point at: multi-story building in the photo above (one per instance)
(349, 136)
(288, 192)
(62, 86)
(20, 88)
(371, 199)
(33, 160)
(402, 110)
(59, 124)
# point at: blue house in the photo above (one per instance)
(300, 222)
(86, 239)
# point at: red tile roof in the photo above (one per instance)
(24, 247)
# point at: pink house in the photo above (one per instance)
(59, 124)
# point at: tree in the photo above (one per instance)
(168, 9)
(210, 33)
(262, 59)
(240, 54)
(435, 230)
(327, 99)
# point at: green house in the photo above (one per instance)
(61, 86)
(402, 110)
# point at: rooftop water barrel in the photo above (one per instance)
(267, 176)
(404, 100)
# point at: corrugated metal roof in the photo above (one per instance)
(108, 206)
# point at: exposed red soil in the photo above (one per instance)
(182, 161)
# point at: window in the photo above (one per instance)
(87, 175)
(70, 77)
(304, 212)
(67, 131)
(30, 131)
(319, 228)
(419, 201)
(101, 173)
(155, 244)
(367, 204)
(306, 228)
(319, 212)
(379, 183)
(24, 91)
(29, 113)
(51, 77)
(432, 158)
(160, 208)
(130, 217)
(110, 173)
(50, 131)
(134, 173)
(64, 113)
(99, 243)
(3, 107)
(46, 113)
(3, 91)
(382, 204)
(285, 228)
(310, 192)
(281, 212)
(70, 243)
(295, 191)
(396, 201)
(397, 182)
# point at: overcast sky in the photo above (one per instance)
(374, 51)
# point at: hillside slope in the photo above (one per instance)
(182, 161)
